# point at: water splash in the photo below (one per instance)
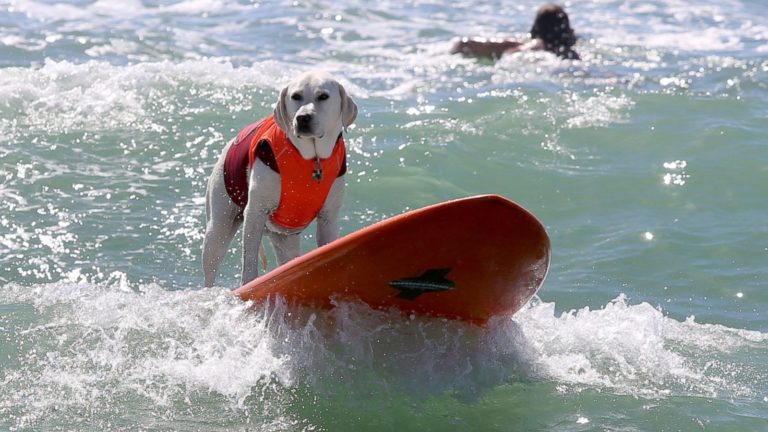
(87, 348)
(637, 350)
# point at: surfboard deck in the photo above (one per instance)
(469, 259)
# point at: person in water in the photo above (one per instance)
(551, 31)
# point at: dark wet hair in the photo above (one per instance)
(554, 29)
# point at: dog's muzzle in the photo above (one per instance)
(304, 124)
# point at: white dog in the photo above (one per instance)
(279, 174)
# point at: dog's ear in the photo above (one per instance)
(348, 108)
(280, 112)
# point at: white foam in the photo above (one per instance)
(671, 24)
(96, 95)
(635, 349)
(93, 343)
(96, 14)
(50, 11)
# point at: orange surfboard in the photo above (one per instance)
(469, 259)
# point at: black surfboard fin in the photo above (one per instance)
(432, 280)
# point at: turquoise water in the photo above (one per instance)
(646, 162)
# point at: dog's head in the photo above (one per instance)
(313, 110)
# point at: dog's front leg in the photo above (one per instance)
(328, 218)
(253, 231)
(263, 196)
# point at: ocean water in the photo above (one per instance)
(647, 162)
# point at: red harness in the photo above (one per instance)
(302, 194)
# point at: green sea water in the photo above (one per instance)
(646, 162)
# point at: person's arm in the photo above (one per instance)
(477, 47)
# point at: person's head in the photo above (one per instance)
(553, 28)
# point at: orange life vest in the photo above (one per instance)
(302, 194)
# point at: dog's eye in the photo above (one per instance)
(296, 96)
(322, 96)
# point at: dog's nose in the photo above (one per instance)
(303, 121)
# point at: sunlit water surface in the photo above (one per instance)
(646, 161)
